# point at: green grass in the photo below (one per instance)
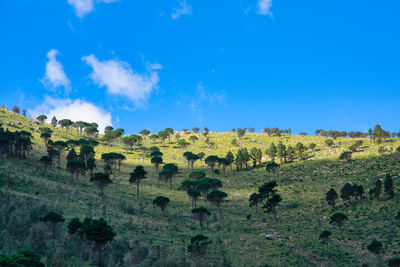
(291, 241)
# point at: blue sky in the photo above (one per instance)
(221, 64)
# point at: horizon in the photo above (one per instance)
(185, 64)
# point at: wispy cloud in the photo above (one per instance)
(83, 7)
(119, 79)
(55, 76)
(75, 110)
(204, 98)
(184, 9)
(264, 7)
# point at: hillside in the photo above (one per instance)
(146, 237)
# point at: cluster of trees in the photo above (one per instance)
(24, 257)
(289, 153)
(17, 144)
(357, 191)
(90, 129)
(111, 135)
(377, 134)
(276, 131)
(267, 197)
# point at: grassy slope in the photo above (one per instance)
(293, 240)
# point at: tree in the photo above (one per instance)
(272, 167)
(53, 219)
(241, 132)
(281, 152)
(183, 143)
(76, 167)
(201, 157)
(329, 143)
(346, 192)
(201, 214)
(198, 246)
(271, 151)
(267, 189)
(338, 219)
(156, 161)
(24, 257)
(394, 262)
(41, 118)
(96, 231)
(191, 158)
(170, 132)
(163, 135)
(101, 180)
(271, 204)
(376, 248)
(224, 162)
(255, 155)
(144, 133)
(325, 236)
(197, 175)
(136, 176)
(86, 152)
(230, 158)
(193, 138)
(161, 202)
(54, 122)
(193, 193)
(46, 137)
(254, 200)
(388, 186)
(46, 161)
(345, 155)
(65, 123)
(216, 197)
(166, 175)
(211, 161)
(331, 197)
(15, 109)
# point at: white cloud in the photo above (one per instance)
(75, 110)
(120, 79)
(55, 75)
(184, 9)
(83, 7)
(264, 7)
(203, 99)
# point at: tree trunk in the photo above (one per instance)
(137, 188)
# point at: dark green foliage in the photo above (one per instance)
(377, 190)
(24, 257)
(72, 156)
(272, 203)
(271, 151)
(161, 202)
(267, 189)
(193, 194)
(171, 166)
(338, 219)
(388, 186)
(375, 247)
(46, 161)
(211, 161)
(166, 175)
(190, 157)
(156, 153)
(216, 197)
(345, 155)
(198, 246)
(136, 176)
(53, 219)
(188, 184)
(156, 161)
(76, 167)
(272, 167)
(197, 175)
(394, 262)
(74, 225)
(201, 214)
(346, 192)
(331, 197)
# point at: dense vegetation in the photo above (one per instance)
(72, 197)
